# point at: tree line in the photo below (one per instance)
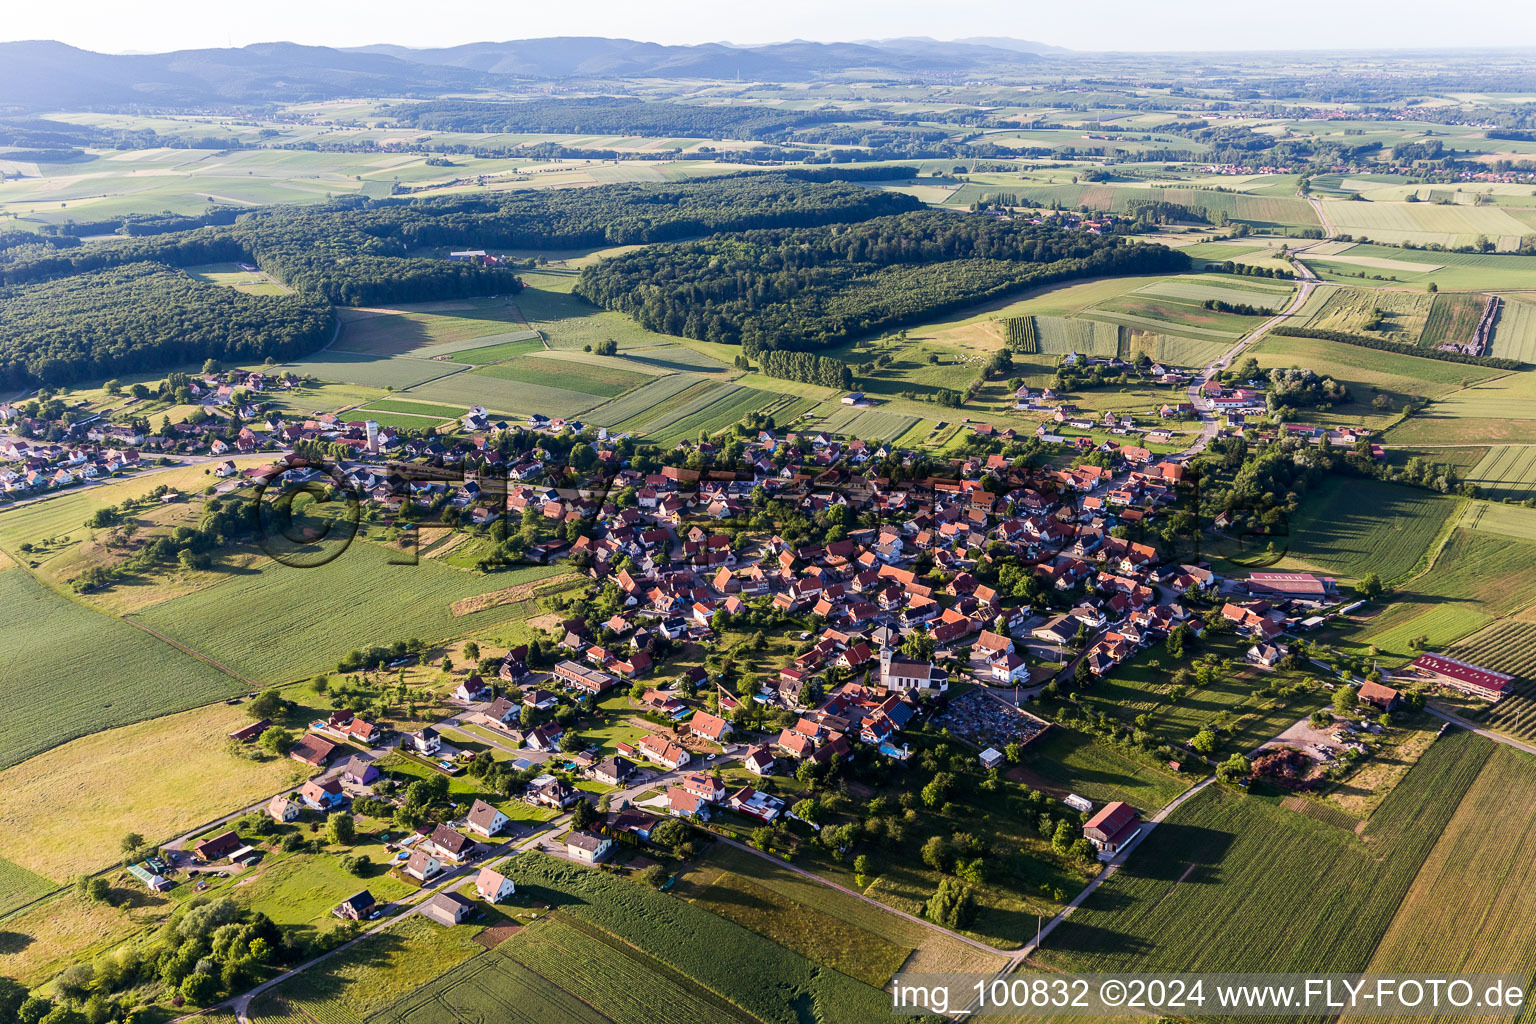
(807, 368)
(797, 288)
(143, 316)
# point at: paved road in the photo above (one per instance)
(1457, 720)
(1317, 205)
(1208, 424)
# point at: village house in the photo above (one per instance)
(493, 886)
(587, 847)
(1116, 825)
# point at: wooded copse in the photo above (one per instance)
(798, 288)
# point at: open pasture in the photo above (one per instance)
(374, 371)
(66, 810)
(1211, 890)
(1497, 410)
(66, 671)
(251, 282)
(277, 623)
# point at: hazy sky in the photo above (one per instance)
(116, 26)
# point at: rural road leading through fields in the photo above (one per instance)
(1208, 426)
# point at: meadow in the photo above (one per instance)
(1403, 314)
(1351, 527)
(441, 327)
(67, 671)
(276, 623)
(1065, 761)
(371, 975)
(498, 394)
(48, 936)
(374, 371)
(67, 809)
(1211, 888)
(231, 276)
(302, 890)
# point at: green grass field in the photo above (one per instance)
(1065, 761)
(1514, 333)
(660, 414)
(603, 381)
(729, 404)
(231, 276)
(278, 622)
(374, 371)
(405, 405)
(1505, 520)
(66, 671)
(1215, 888)
(481, 354)
(1351, 527)
(303, 889)
(640, 401)
(1426, 223)
(1506, 472)
(1452, 319)
(18, 887)
(1481, 272)
(688, 939)
(870, 424)
(430, 329)
(1494, 411)
(1471, 907)
(497, 394)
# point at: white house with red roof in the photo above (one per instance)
(1112, 828)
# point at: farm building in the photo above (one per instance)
(312, 750)
(1115, 825)
(1295, 586)
(1377, 695)
(152, 881)
(1463, 676)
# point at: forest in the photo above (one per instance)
(331, 248)
(144, 317)
(609, 115)
(797, 288)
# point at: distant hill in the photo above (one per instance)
(43, 75)
(591, 56)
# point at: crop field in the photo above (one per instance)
(1482, 272)
(1505, 520)
(1217, 286)
(54, 677)
(567, 374)
(1453, 319)
(673, 359)
(571, 322)
(278, 623)
(1506, 472)
(869, 424)
(1266, 211)
(1514, 332)
(1473, 906)
(729, 405)
(1171, 316)
(1352, 527)
(506, 396)
(1186, 351)
(404, 421)
(442, 412)
(495, 349)
(1210, 889)
(1350, 309)
(441, 326)
(821, 937)
(688, 939)
(1493, 411)
(373, 371)
(663, 413)
(618, 981)
(1425, 223)
(67, 809)
(490, 987)
(1505, 646)
(640, 401)
(18, 887)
